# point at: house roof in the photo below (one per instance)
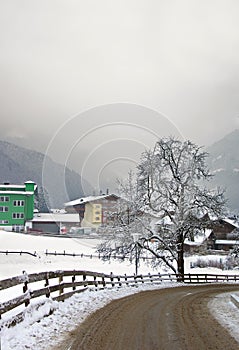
(88, 199)
(226, 241)
(199, 239)
(57, 217)
(17, 192)
(232, 222)
(190, 243)
(10, 187)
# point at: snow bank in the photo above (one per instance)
(49, 331)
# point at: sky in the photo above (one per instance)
(106, 75)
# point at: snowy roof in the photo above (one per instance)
(57, 217)
(226, 241)
(88, 199)
(191, 243)
(9, 186)
(17, 192)
(12, 186)
(199, 239)
(164, 221)
(232, 222)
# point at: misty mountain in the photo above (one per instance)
(56, 184)
(224, 163)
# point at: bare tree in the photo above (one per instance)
(169, 187)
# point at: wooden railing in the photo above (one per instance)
(60, 285)
(20, 252)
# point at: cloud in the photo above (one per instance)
(62, 57)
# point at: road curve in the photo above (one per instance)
(165, 319)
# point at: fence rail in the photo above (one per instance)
(20, 252)
(60, 285)
(99, 256)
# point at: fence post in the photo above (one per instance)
(112, 279)
(61, 289)
(150, 277)
(127, 283)
(120, 284)
(47, 284)
(96, 283)
(84, 279)
(103, 281)
(25, 287)
(73, 282)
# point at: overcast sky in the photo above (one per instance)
(61, 58)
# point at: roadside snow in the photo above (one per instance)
(226, 313)
(49, 331)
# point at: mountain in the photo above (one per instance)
(224, 163)
(56, 184)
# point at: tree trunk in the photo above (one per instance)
(180, 261)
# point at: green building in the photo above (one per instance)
(16, 205)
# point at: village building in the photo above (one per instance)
(53, 223)
(94, 211)
(16, 205)
(224, 235)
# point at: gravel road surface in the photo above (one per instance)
(164, 319)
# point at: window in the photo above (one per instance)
(18, 215)
(18, 203)
(4, 199)
(3, 209)
(4, 221)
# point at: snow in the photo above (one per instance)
(231, 222)
(218, 170)
(199, 239)
(42, 333)
(226, 313)
(87, 199)
(217, 158)
(56, 217)
(226, 241)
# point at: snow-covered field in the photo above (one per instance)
(44, 334)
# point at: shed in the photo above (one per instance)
(53, 223)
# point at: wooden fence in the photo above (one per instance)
(109, 256)
(60, 285)
(20, 252)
